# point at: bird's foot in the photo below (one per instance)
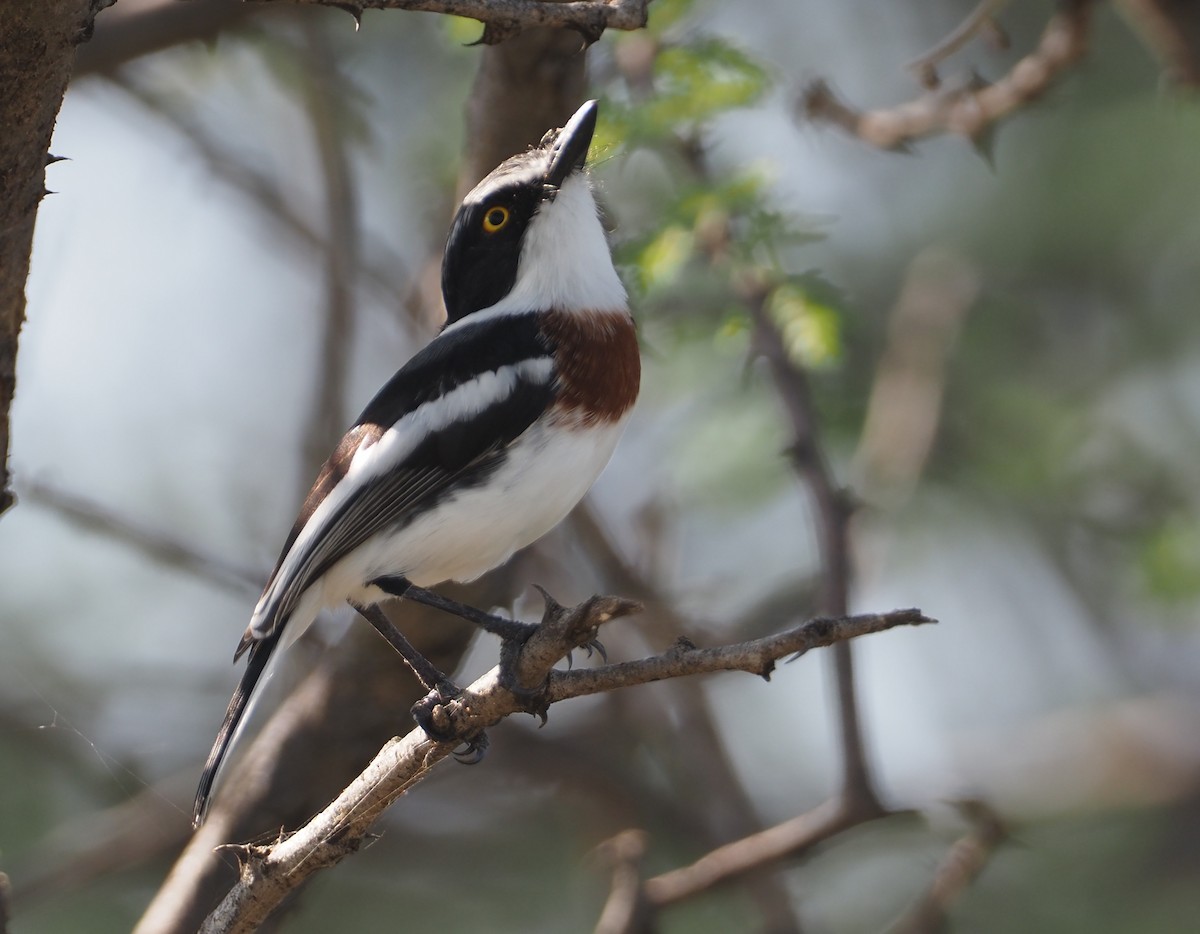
(592, 647)
(533, 698)
(434, 713)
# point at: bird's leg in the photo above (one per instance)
(513, 633)
(430, 676)
(513, 630)
(441, 689)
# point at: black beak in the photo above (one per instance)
(571, 145)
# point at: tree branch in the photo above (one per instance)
(719, 800)
(982, 17)
(129, 32)
(1172, 30)
(736, 859)
(5, 916)
(833, 509)
(758, 656)
(503, 19)
(971, 109)
(961, 866)
(153, 543)
(625, 911)
(270, 873)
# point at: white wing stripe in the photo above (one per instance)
(397, 443)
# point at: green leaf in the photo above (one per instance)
(666, 13)
(461, 30)
(692, 84)
(663, 258)
(700, 80)
(804, 311)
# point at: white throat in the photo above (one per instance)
(565, 260)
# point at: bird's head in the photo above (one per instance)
(528, 237)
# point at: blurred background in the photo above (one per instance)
(1000, 338)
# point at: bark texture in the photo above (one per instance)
(37, 50)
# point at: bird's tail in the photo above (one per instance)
(261, 653)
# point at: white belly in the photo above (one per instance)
(544, 476)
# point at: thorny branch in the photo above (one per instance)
(974, 106)
(981, 18)
(503, 19)
(269, 873)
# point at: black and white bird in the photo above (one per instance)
(489, 436)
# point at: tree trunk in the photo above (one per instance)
(37, 51)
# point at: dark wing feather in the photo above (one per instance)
(456, 457)
(260, 654)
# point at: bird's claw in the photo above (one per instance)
(430, 713)
(592, 647)
(473, 749)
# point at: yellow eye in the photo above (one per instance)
(495, 219)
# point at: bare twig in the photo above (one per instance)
(503, 19)
(1172, 30)
(925, 65)
(756, 657)
(973, 108)
(625, 909)
(965, 860)
(269, 873)
(126, 33)
(153, 543)
(737, 859)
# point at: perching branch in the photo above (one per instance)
(270, 873)
(976, 105)
(503, 19)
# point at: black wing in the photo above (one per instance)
(501, 371)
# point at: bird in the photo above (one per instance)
(485, 439)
